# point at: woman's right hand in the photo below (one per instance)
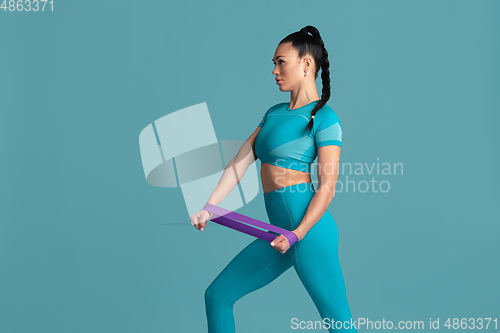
(199, 219)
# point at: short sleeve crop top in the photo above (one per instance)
(283, 142)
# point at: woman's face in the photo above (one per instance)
(289, 69)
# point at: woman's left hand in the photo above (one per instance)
(281, 244)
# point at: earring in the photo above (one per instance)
(305, 73)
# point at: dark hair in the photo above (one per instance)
(314, 46)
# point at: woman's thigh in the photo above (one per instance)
(316, 261)
(252, 268)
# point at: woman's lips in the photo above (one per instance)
(279, 81)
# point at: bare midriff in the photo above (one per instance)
(275, 177)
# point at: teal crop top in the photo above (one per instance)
(282, 141)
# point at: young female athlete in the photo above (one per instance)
(288, 139)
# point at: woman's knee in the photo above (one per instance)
(210, 294)
(214, 295)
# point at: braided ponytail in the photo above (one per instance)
(313, 45)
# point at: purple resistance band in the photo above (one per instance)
(220, 216)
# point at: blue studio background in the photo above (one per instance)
(87, 245)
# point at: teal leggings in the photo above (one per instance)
(314, 258)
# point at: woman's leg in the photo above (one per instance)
(254, 267)
(315, 259)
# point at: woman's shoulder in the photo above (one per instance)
(326, 113)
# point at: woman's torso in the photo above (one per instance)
(285, 151)
(274, 177)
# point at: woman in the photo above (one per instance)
(291, 201)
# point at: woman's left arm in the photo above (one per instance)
(328, 173)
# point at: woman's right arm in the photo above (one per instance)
(234, 171)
